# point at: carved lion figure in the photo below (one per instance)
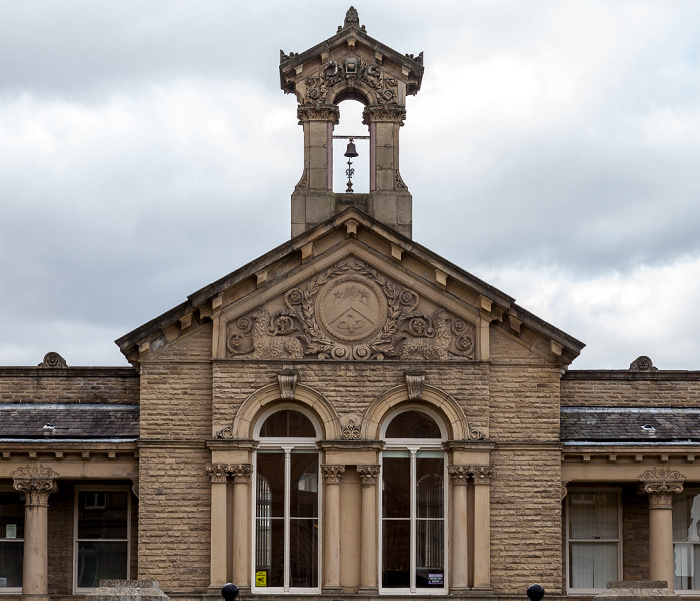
(268, 346)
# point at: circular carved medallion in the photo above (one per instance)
(351, 309)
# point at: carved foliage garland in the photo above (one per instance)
(347, 71)
(351, 312)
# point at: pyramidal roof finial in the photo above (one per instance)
(352, 19)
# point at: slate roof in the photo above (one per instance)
(627, 424)
(28, 420)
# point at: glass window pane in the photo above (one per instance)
(429, 490)
(11, 515)
(430, 544)
(102, 515)
(98, 561)
(593, 565)
(11, 554)
(593, 515)
(303, 540)
(286, 424)
(396, 487)
(686, 517)
(271, 470)
(270, 560)
(303, 497)
(413, 424)
(396, 553)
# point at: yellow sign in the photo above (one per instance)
(261, 578)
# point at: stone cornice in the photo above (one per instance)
(171, 444)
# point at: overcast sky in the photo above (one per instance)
(146, 150)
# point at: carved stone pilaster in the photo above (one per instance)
(384, 112)
(217, 472)
(482, 474)
(459, 474)
(36, 482)
(414, 384)
(368, 474)
(240, 473)
(332, 473)
(318, 112)
(660, 484)
(287, 381)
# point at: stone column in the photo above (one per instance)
(660, 484)
(37, 483)
(241, 522)
(389, 200)
(369, 475)
(459, 475)
(482, 525)
(217, 562)
(312, 200)
(331, 522)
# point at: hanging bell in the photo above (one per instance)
(351, 151)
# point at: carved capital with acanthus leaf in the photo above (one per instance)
(459, 474)
(332, 473)
(36, 482)
(318, 112)
(392, 113)
(660, 484)
(368, 474)
(482, 474)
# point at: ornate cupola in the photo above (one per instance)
(351, 65)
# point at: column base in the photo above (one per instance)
(332, 590)
(368, 590)
(35, 597)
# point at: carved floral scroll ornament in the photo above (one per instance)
(660, 484)
(351, 312)
(347, 71)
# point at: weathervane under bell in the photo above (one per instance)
(351, 152)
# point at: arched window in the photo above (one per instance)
(286, 554)
(413, 503)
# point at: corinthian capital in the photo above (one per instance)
(368, 474)
(660, 484)
(36, 482)
(217, 472)
(482, 473)
(384, 112)
(241, 473)
(318, 112)
(332, 473)
(459, 474)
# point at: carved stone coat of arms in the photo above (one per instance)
(351, 312)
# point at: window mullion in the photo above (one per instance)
(413, 516)
(287, 527)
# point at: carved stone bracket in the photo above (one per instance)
(459, 474)
(332, 473)
(368, 474)
(414, 384)
(36, 482)
(660, 484)
(287, 381)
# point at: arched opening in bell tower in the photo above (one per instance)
(351, 126)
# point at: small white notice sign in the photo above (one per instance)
(10, 530)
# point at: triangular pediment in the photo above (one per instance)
(352, 289)
(351, 64)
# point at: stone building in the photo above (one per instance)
(348, 415)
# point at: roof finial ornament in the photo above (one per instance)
(352, 19)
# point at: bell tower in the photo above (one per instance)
(351, 65)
